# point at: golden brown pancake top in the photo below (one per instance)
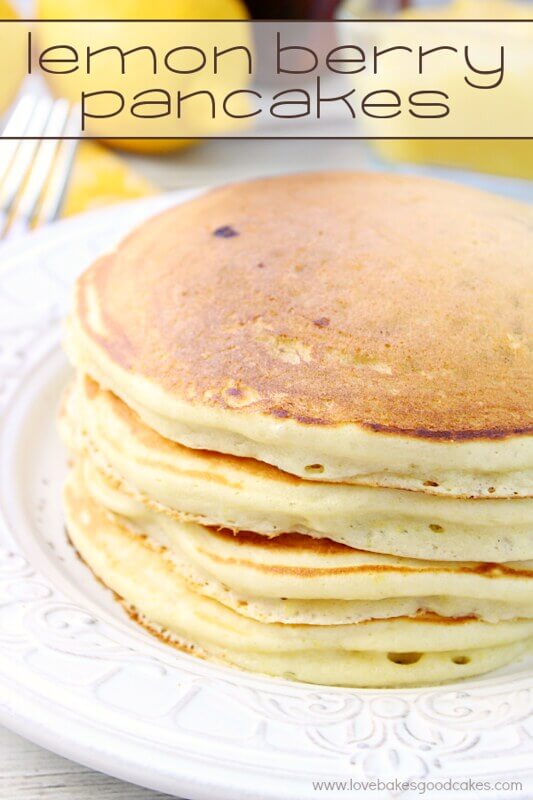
(398, 303)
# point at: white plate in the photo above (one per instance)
(78, 677)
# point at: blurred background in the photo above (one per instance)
(101, 174)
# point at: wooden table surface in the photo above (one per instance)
(27, 772)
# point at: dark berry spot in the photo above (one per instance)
(225, 232)
(234, 392)
(321, 322)
(280, 412)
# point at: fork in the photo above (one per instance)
(34, 172)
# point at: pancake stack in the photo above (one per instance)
(301, 428)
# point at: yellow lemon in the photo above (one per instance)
(137, 76)
(12, 55)
(101, 178)
(502, 157)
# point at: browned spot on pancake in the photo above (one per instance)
(91, 387)
(325, 547)
(501, 570)
(310, 420)
(283, 541)
(432, 617)
(452, 435)
(429, 301)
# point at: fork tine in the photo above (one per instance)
(15, 126)
(38, 174)
(24, 155)
(55, 193)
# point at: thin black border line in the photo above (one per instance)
(281, 21)
(274, 138)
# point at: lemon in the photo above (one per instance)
(12, 56)
(100, 178)
(142, 9)
(139, 77)
(514, 158)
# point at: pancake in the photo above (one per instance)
(362, 328)
(301, 428)
(295, 578)
(377, 653)
(243, 494)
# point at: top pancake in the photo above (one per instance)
(398, 305)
